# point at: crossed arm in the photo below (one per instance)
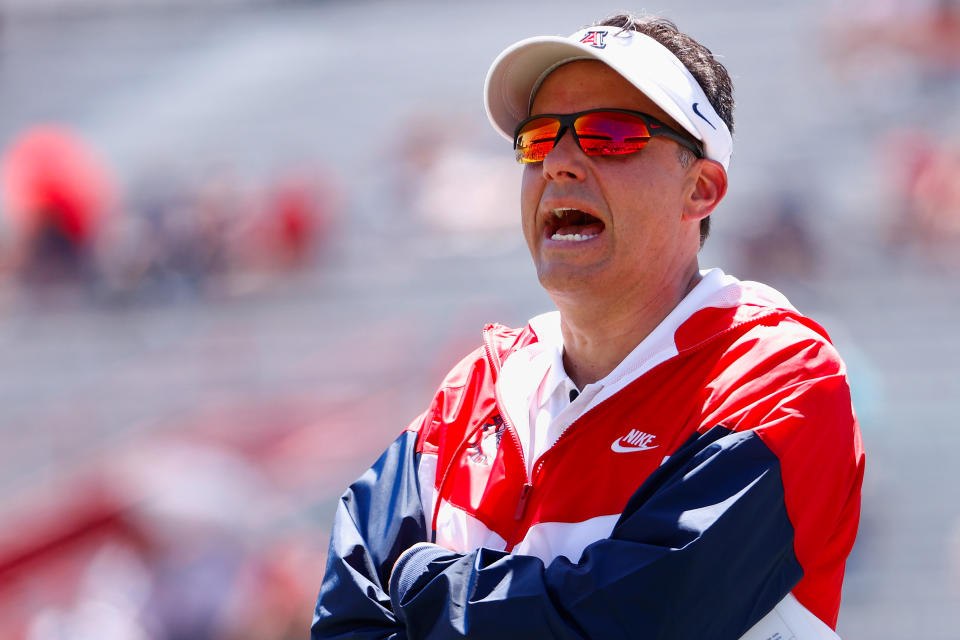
(704, 548)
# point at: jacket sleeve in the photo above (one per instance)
(378, 517)
(704, 549)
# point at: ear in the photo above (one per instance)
(709, 187)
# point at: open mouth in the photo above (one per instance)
(572, 225)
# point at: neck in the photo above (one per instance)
(599, 334)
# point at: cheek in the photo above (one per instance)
(646, 213)
(654, 194)
(531, 189)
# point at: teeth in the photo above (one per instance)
(571, 237)
(562, 211)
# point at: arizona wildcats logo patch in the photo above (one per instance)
(484, 451)
(594, 39)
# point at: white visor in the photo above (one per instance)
(649, 66)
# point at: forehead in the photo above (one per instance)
(591, 84)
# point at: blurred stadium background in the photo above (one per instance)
(241, 241)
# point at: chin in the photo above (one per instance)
(557, 281)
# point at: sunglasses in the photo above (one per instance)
(598, 132)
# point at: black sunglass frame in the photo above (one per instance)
(567, 120)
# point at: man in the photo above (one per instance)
(672, 454)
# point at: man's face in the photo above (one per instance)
(635, 240)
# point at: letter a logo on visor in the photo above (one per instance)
(594, 39)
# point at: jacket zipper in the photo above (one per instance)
(522, 502)
(524, 493)
(527, 487)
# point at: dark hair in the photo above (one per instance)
(699, 61)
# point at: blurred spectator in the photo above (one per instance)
(56, 194)
(219, 207)
(926, 179)
(293, 217)
(155, 251)
(781, 244)
(295, 220)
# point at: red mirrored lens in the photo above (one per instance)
(607, 133)
(535, 139)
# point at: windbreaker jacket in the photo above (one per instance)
(718, 482)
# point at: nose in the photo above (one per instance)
(566, 161)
